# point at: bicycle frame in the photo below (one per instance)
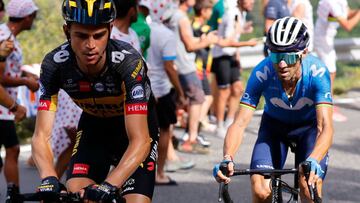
(277, 185)
(63, 198)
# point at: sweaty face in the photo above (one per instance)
(286, 72)
(89, 43)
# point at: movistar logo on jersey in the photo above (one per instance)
(262, 76)
(315, 71)
(301, 103)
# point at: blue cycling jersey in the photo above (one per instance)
(311, 90)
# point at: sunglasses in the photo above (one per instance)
(289, 58)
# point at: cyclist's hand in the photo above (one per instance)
(50, 188)
(316, 171)
(219, 175)
(104, 192)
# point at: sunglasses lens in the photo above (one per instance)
(289, 58)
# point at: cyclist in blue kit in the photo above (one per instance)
(107, 80)
(298, 110)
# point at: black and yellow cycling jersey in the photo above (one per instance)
(122, 87)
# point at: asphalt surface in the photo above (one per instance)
(197, 185)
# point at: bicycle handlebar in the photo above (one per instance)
(306, 166)
(63, 197)
(223, 188)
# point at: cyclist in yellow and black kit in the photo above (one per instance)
(108, 80)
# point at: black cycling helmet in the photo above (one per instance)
(89, 12)
(288, 34)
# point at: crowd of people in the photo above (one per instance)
(131, 71)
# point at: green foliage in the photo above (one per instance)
(25, 129)
(347, 77)
(46, 33)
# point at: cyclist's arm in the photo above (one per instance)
(136, 152)
(236, 130)
(41, 149)
(325, 131)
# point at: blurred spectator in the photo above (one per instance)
(21, 16)
(164, 81)
(226, 64)
(203, 12)
(273, 10)
(141, 27)
(185, 62)
(126, 12)
(217, 13)
(303, 10)
(331, 14)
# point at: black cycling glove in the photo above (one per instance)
(105, 192)
(50, 188)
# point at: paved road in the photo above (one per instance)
(197, 185)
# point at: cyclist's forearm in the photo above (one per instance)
(43, 156)
(134, 155)
(322, 144)
(233, 139)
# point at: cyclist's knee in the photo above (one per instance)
(12, 152)
(260, 188)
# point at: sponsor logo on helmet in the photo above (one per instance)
(90, 4)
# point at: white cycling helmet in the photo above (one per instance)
(287, 34)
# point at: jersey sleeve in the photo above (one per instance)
(322, 85)
(136, 86)
(49, 85)
(255, 86)
(169, 51)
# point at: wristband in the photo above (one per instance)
(228, 157)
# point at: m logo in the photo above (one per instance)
(90, 4)
(262, 76)
(316, 72)
(118, 57)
